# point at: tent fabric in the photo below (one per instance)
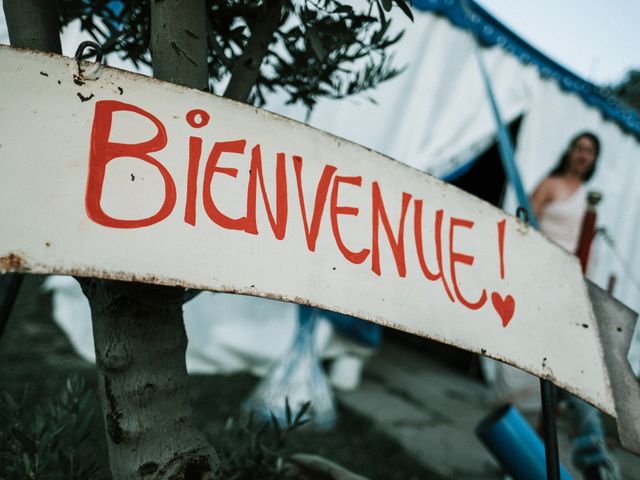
(435, 115)
(468, 15)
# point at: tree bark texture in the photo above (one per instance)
(140, 355)
(139, 333)
(33, 24)
(246, 68)
(179, 42)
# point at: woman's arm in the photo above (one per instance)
(542, 195)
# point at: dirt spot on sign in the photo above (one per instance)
(84, 98)
(13, 261)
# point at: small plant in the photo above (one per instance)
(48, 443)
(257, 448)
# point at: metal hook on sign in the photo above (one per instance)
(522, 214)
(81, 75)
(83, 46)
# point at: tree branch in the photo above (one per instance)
(246, 69)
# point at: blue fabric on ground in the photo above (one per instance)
(355, 329)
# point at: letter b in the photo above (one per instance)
(103, 151)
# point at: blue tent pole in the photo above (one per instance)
(505, 145)
(515, 444)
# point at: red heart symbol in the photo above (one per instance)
(504, 306)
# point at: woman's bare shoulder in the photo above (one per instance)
(551, 182)
(546, 191)
(547, 185)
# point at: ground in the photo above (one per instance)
(413, 416)
(34, 351)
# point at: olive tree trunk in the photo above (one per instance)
(138, 329)
(139, 332)
(33, 24)
(140, 354)
(179, 42)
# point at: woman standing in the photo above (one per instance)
(560, 200)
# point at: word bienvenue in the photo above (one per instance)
(326, 195)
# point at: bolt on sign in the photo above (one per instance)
(120, 176)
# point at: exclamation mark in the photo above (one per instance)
(505, 306)
(501, 226)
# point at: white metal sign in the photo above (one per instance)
(122, 176)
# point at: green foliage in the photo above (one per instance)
(48, 443)
(629, 89)
(256, 449)
(321, 48)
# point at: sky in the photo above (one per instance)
(596, 39)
